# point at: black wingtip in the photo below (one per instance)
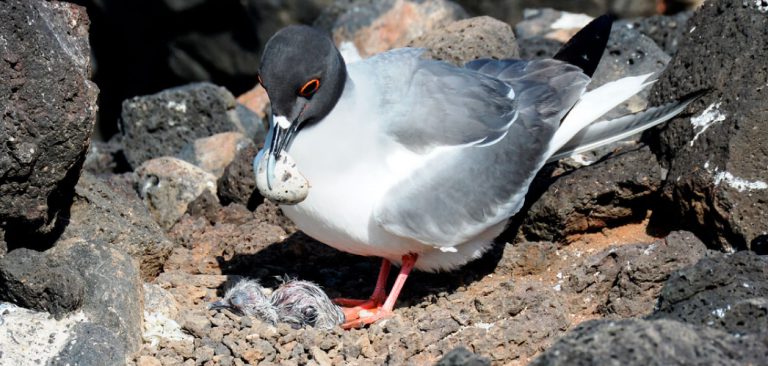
(586, 47)
(694, 95)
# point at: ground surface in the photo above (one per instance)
(507, 306)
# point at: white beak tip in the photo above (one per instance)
(282, 122)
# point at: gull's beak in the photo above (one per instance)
(280, 135)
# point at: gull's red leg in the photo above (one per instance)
(379, 292)
(356, 318)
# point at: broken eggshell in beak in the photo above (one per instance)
(288, 187)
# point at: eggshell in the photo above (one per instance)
(289, 186)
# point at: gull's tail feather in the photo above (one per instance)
(605, 132)
(593, 105)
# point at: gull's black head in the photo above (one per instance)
(304, 75)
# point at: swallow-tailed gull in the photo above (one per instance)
(420, 162)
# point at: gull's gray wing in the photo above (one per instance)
(432, 103)
(503, 69)
(470, 187)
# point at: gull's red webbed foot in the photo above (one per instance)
(379, 293)
(362, 312)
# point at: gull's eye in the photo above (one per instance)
(309, 88)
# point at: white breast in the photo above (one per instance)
(350, 164)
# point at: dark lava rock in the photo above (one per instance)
(113, 292)
(49, 109)
(29, 279)
(460, 356)
(274, 15)
(91, 345)
(604, 194)
(662, 342)
(142, 47)
(205, 205)
(537, 38)
(469, 39)
(106, 157)
(629, 53)
(666, 30)
(716, 155)
(107, 212)
(538, 47)
(238, 183)
(3, 244)
(538, 22)
(709, 292)
(513, 11)
(747, 316)
(162, 124)
(625, 281)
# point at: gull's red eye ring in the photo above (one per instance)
(309, 88)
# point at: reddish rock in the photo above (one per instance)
(256, 100)
(380, 26)
(213, 154)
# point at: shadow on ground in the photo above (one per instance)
(347, 275)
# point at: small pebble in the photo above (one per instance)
(246, 322)
(148, 361)
(320, 356)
